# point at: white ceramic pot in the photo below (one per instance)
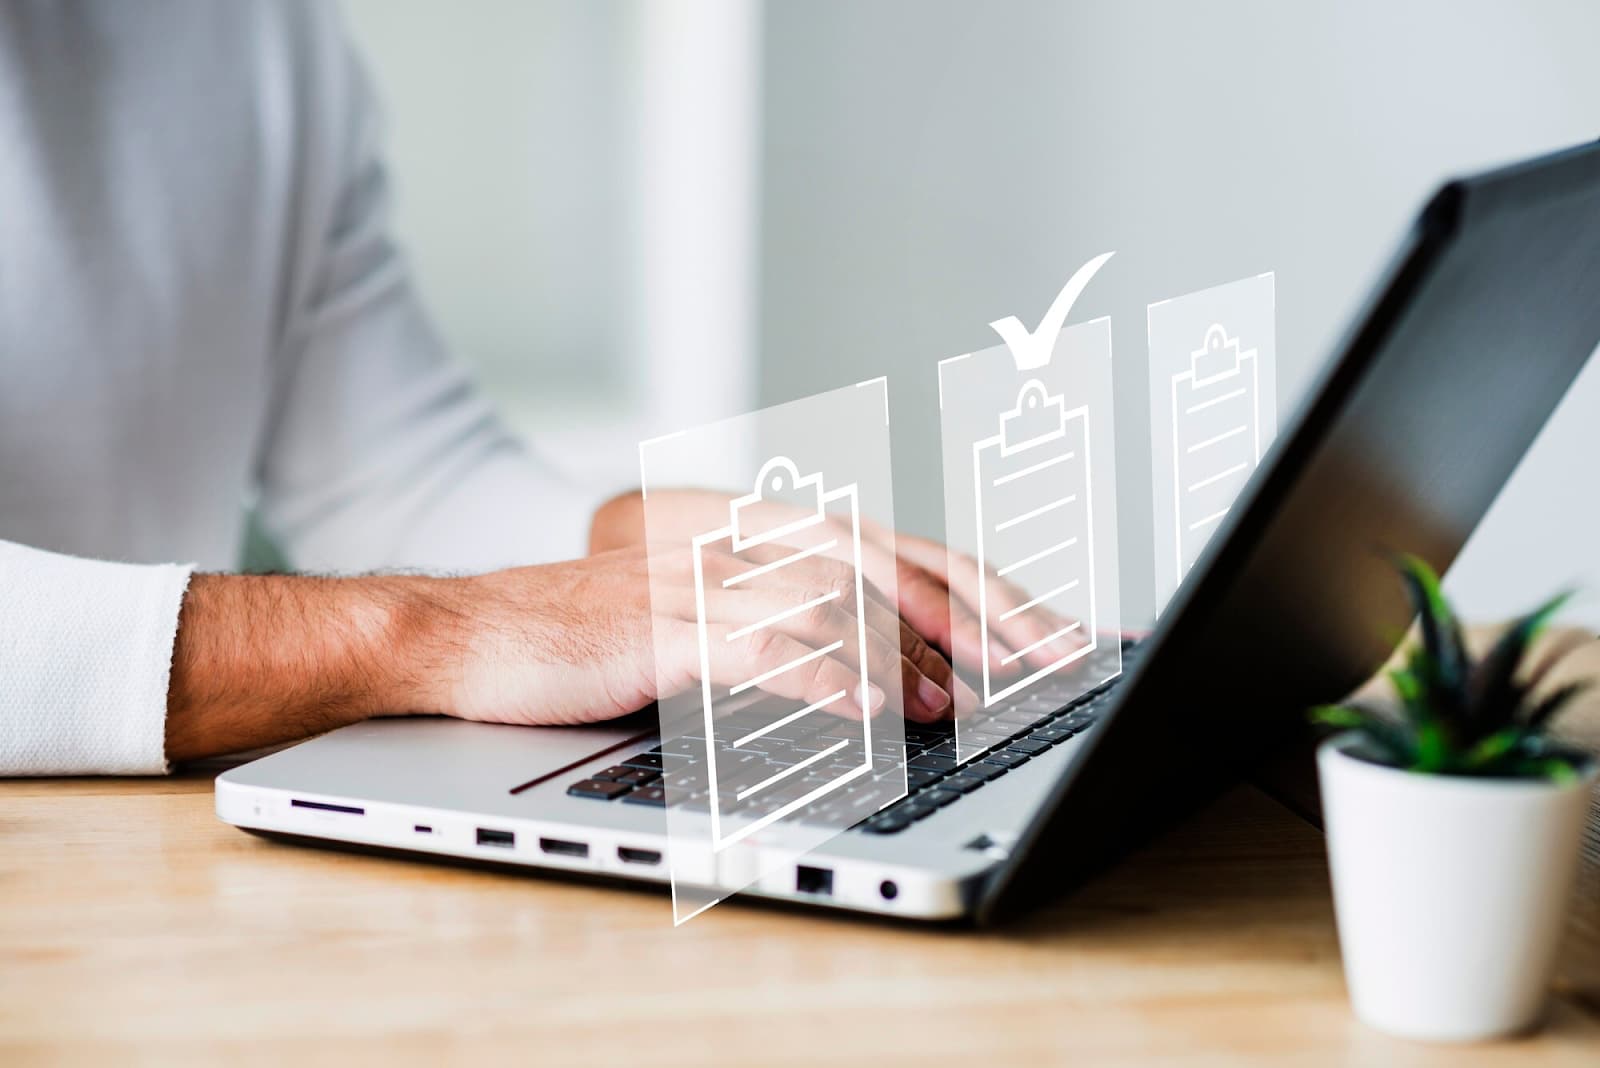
(1451, 892)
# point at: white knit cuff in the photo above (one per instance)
(86, 648)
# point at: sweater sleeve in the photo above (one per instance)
(381, 451)
(85, 659)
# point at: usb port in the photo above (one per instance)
(817, 881)
(563, 849)
(630, 855)
(501, 839)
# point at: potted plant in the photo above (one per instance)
(1453, 829)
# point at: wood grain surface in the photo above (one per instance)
(136, 928)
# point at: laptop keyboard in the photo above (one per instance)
(1048, 716)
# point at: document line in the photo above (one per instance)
(1212, 518)
(763, 731)
(790, 770)
(1035, 513)
(1024, 606)
(1203, 405)
(783, 615)
(791, 665)
(1036, 557)
(773, 565)
(1046, 640)
(1219, 476)
(1040, 466)
(1224, 436)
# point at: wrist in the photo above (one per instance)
(266, 659)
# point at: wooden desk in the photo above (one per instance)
(135, 926)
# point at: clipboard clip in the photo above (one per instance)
(779, 482)
(1037, 418)
(1217, 357)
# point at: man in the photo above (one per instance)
(200, 308)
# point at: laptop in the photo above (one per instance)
(1472, 336)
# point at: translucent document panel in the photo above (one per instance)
(1031, 521)
(1213, 412)
(776, 636)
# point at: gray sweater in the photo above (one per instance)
(200, 310)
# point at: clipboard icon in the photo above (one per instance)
(802, 529)
(1035, 525)
(1216, 438)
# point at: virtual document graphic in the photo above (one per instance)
(847, 754)
(1213, 386)
(1030, 513)
(1021, 526)
(777, 642)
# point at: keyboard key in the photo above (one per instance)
(1053, 733)
(1006, 758)
(980, 770)
(598, 789)
(649, 761)
(938, 798)
(1030, 746)
(631, 776)
(886, 824)
(916, 778)
(932, 763)
(962, 783)
(654, 796)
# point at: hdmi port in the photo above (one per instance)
(563, 849)
(630, 855)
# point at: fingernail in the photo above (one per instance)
(933, 698)
(875, 699)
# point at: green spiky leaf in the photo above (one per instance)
(1495, 694)
(1547, 707)
(1441, 634)
(1492, 748)
(1458, 716)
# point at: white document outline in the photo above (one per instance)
(1005, 449)
(1196, 380)
(740, 542)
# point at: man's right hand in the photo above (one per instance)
(262, 660)
(580, 641)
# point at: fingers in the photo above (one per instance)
(779, 664)
(823, 618)
(815, 600)
(937, 682)
(1026, 632)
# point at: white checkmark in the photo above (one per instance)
(1033, 350)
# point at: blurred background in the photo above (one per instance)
(638, 215)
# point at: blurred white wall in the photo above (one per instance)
(575, 184)
(578, 182)
(932, 165)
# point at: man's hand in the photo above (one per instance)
(261, 660)
(938, 591)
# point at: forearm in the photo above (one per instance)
(261, 660)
